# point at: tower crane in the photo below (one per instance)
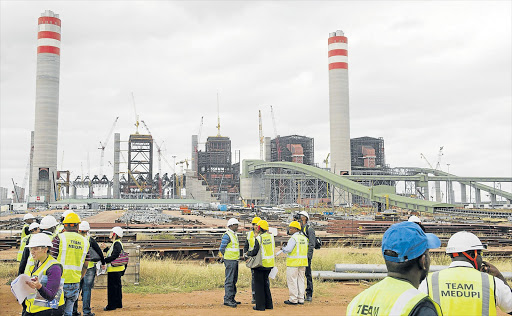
(103, 145)
(218, 116)
(261, 135)
(136, 115)
(326, 160)
(200, 132)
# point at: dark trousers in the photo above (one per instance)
(231, 279)
(114, 290)
(48, 312)
(262, 289)
(252, 283)
(309, 280)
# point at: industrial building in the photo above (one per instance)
(293, 148)
(44, 161)
(367, 152)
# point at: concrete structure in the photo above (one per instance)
(195, 143)
(339, 104)
(47, 106)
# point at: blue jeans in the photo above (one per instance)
(88, 283)
(231, 279)
(71, 291)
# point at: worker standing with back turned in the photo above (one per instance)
(72, 251)
(309, 232)
(405, 249)
(470, 286)
(230, 250)
(249, 245)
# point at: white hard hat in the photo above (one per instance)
(48, 222)
(28, 216)
(464, 241)
(40, 240)
(66, 213)
(118, 231)
(414, 219)
(34, 225)
(304, 213)
(84, 226)
(233, 221)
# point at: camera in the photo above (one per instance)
(296, 217)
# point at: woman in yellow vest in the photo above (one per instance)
(114, 274)
(296, 262)
(265, 243)
(249, 245)
(46, 274)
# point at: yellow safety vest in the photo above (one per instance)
(250, 239)
(298, 257)
(110, 268)
(267, 246)
(23, 244)
(58, 229)
(33, 305)
(23, 235)
(73, 249)
(232, 251)
(463, 291)
(388, 297)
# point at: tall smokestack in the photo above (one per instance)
(338, 103)
(47, 105)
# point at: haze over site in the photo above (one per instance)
(421, 74)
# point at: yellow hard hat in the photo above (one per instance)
(72, 218)
(256, 220)
(263, 224)
(295, 224)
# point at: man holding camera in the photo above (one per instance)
(309, 231)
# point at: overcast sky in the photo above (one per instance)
(421, 75)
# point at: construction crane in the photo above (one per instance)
(200, 132)
(261, 135)
(275, 133)
(136, 115)
(326, 161)
(218, 116)
(437, 184)
(103, 146)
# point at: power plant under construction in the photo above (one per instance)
(354, 173)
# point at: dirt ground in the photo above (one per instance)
(333, 302)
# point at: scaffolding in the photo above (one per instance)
(140, 167)
(294, 148)
(367, 152)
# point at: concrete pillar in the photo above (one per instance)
(478, 198)
(493, 199)
(437, 186)
(268, 149)
(463, 198)
(195, 144)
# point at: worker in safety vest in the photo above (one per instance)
(46, 278)
(72, 250)
(296, 262)
(309, 232)
(32, 229)
(249, 245)
(230, 251)
(60, 227)
(405, 249)
(470, 286)
(265, 243)
(47, 227)
(28, 219)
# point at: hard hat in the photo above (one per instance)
(66, 213)
(464, 241)
(40, 240)
(48, 222)
(263, 224)
(34, 225)
(304, 213)
(118, 231)
(414, 219)
(233, 221)
(71, 218)
(28, 216)
(256, 220)
(84, 226)
(295, 224)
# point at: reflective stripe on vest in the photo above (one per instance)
(23, 244)
(73, 249)
(110, 268)
(388, 297)
(267, 246)
(298, 257)
(40, 272)
(463, 291)
(232, 251)
(250, 239)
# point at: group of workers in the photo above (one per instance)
(260, 242)
(60, 259)
(469, 286)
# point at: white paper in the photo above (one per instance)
(20, 289)
(273, 273)
(273, 231)
(99, 270)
